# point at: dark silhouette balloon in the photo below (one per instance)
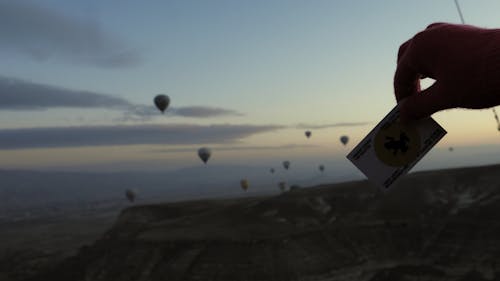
(308, 134)
(286, 164)
(130, 195)
(204, 153)
(162, 102)
(344, 140)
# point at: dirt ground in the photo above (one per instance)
(439, 225)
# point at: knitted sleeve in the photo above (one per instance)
(490, 70)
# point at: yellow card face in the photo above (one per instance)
(391, 149)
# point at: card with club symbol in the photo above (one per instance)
(391, 149)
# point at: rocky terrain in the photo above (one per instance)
(33, 240)
(438, 225)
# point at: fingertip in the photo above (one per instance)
(402, 49)
(406, 82)
(405, 116)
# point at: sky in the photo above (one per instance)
(246, 78)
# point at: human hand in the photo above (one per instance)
(465, 62)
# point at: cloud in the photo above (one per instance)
(240, 148)
(204, 111)
(40, 33)
(179, 134)
(332, 125)
(139, 113)
(16, 94)
(144, 112)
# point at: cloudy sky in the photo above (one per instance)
(246, 78)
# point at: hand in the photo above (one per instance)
(465, 62)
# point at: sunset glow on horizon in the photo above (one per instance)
(245, 78)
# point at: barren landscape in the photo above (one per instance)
(436, 225)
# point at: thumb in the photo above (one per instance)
(424, 103)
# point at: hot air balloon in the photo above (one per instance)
(286, 164)
(450, 148)
(271, 170)
(321, 168)
(130, 194)
(244, 184)
(162, 102)
(204, 153)
(282, 186)
(308, 134)
(344, 140)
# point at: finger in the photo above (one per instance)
(412, 66)
(424, 104)
(404, 46)
(415, 61)
(402, 49)
(406, 81)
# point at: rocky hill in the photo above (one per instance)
(438, 225)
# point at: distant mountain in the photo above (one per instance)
(29, 189)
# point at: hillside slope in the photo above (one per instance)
(439, 225)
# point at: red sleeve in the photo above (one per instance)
(490, 70)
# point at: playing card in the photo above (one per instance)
(391, 149)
